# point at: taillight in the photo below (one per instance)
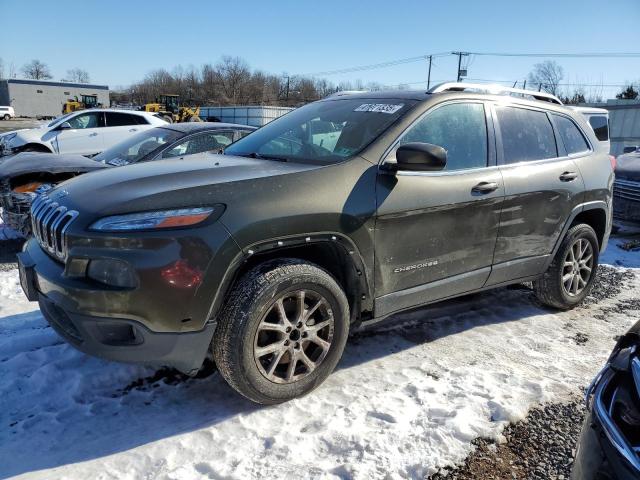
(613, 161)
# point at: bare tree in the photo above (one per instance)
(546, 76)
(78, 75)
(36, 70)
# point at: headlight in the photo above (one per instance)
(181, 217)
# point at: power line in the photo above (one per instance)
(374, 66)
(562, 55)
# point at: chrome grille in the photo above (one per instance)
(627, 189)
(49, 222)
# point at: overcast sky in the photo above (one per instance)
(119, 41)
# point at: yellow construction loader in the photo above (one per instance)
(73, 104)
(168, 106)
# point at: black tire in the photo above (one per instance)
(550, 289)
(167, 118)
(252, 299)
(36, 149)
(7, 117)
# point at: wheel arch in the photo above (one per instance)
(34, 146)
(333, 252)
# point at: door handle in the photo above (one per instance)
(485, 187)
(94, 134)
(133, 130)
(568, 176)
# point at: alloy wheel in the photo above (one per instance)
(294, 336)
(577, 268)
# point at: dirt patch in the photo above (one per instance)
(542, 446)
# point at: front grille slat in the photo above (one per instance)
(50, 222)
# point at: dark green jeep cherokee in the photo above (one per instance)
(340, 213)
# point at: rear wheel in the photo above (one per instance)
(282, 331)
(7, 116)
(570, 277)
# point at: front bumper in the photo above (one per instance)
(626, 201)
(155, 323)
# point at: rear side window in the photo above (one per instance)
(459, 128)
(600, 125)
(117, 119)
(571, 135)
(527, 135)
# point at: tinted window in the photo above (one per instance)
(526, 135)
(86, 120)
(459, 128)
(600, 125)
(204, 142)
(571, 136)
(138, 147)
(117, 119)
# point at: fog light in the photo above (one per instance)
(180, 274)
(112, 272)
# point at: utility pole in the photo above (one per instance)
(429, 74)
(460, 55)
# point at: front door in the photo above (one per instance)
(542, 186)
(85, 135)
(436, 231)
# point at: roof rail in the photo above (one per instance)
(495, 90)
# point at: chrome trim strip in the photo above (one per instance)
(54, 227)
(611, 430)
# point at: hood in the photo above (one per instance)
(202, 179)
(32, 162)
(628, 166)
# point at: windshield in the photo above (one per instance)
(137, 147)
(323, 132)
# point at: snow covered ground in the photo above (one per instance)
(406, 399)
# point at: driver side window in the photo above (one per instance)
(86, 120)
(459, 128)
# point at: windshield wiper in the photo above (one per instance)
(260, 156)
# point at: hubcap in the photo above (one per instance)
(578, 265)
(294, 336)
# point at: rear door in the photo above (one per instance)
(121, 125)
(436, 231)
(542, 186)
(85, 137)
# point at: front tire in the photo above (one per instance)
(282, 331)
(570, 277)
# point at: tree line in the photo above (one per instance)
(231, 81)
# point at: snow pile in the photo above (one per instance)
(405, 400)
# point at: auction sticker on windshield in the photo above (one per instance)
(379, 107)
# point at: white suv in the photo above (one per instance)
(85, 132)
(7, 113)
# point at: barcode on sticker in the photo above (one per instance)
(379, 107)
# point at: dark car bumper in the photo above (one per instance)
(154, 323)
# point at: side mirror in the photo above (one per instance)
(64, 126)
(421, 157)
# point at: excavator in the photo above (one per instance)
(73, 104)
(168, 106)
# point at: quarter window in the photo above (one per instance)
(527, 135)
(571, 136)
(459, 128)
(600, 125)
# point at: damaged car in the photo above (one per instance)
(609, 445)
(25, 176)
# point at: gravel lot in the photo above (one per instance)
(18, 123)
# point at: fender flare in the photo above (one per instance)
(578, 209)
(285, 242)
